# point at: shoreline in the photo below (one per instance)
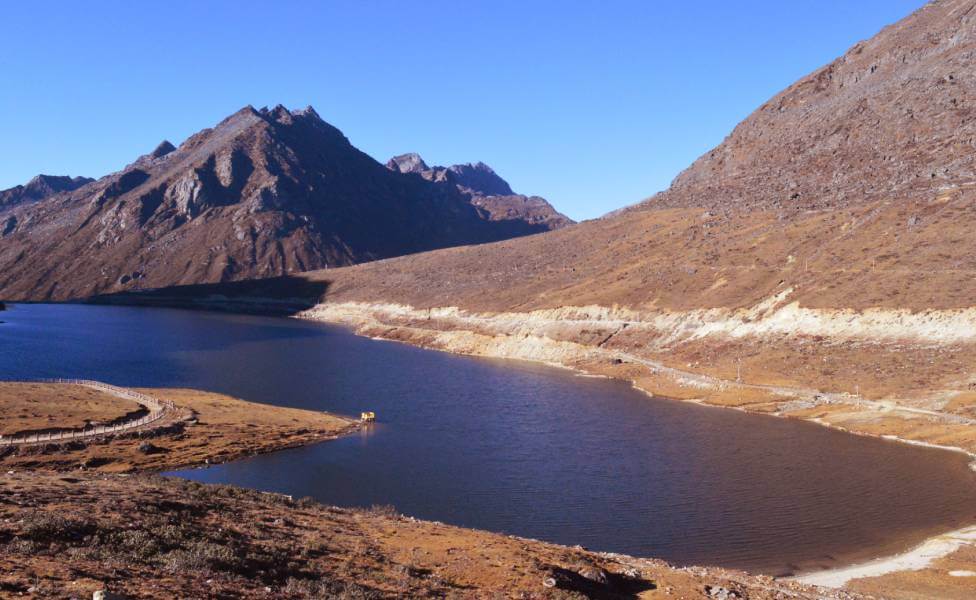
(916, 557)
(279, 519)
(212, 429)
(357, 329)
(366, 324)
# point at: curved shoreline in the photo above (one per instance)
(917, 558)
(92, 500)
(361, 319)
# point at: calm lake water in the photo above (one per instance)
(519, 448)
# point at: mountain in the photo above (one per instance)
(262, 194)
(486, 189)
(890, 119)
(818, 264)
(481, 179)
(39, 188)
(852, 188)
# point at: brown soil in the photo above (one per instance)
(148, 537)
(688, 258)
(37, 407)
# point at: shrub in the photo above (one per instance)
(215, 555)
(135, 542)
(306, 502)
(24, 547)
(51, 527)
(310, 588)
(183, 560)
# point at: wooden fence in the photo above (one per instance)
(158, 409)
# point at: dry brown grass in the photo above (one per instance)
(149, 537)
(860, 257)
(38, 406)
(225, 428)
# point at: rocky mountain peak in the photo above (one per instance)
(263, 193)
(279, 114)
(479, 176)
(410, 162)
(39, 188)
(475, 178)
(307, 112)
(164, 148)
(55, 183)
(485, 189)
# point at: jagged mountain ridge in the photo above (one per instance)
(263, 193)
(41, 187)
(486, 189)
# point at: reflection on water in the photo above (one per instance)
(519, 448)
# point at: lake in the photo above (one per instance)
(519, 448)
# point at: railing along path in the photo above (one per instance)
(158, 409)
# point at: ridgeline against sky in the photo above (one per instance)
(592, 106)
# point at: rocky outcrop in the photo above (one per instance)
(486, 190)
(39, 188)
(480, 179)
(407, 163)
(7, 226)
(164, 148)
(264, 193)
(188, 195)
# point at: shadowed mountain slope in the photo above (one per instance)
(263, 194)
(486, 189)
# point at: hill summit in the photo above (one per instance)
(486, 189)
(263, 193)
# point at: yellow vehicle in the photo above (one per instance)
(367, 417)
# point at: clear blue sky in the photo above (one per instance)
(594, 105)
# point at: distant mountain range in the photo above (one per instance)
(486, 189)
(264, 193)
(40, 188)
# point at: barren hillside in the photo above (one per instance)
(262, 194)
(818, 263)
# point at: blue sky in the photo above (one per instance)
(594, 105)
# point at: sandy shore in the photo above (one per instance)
(918, 558)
